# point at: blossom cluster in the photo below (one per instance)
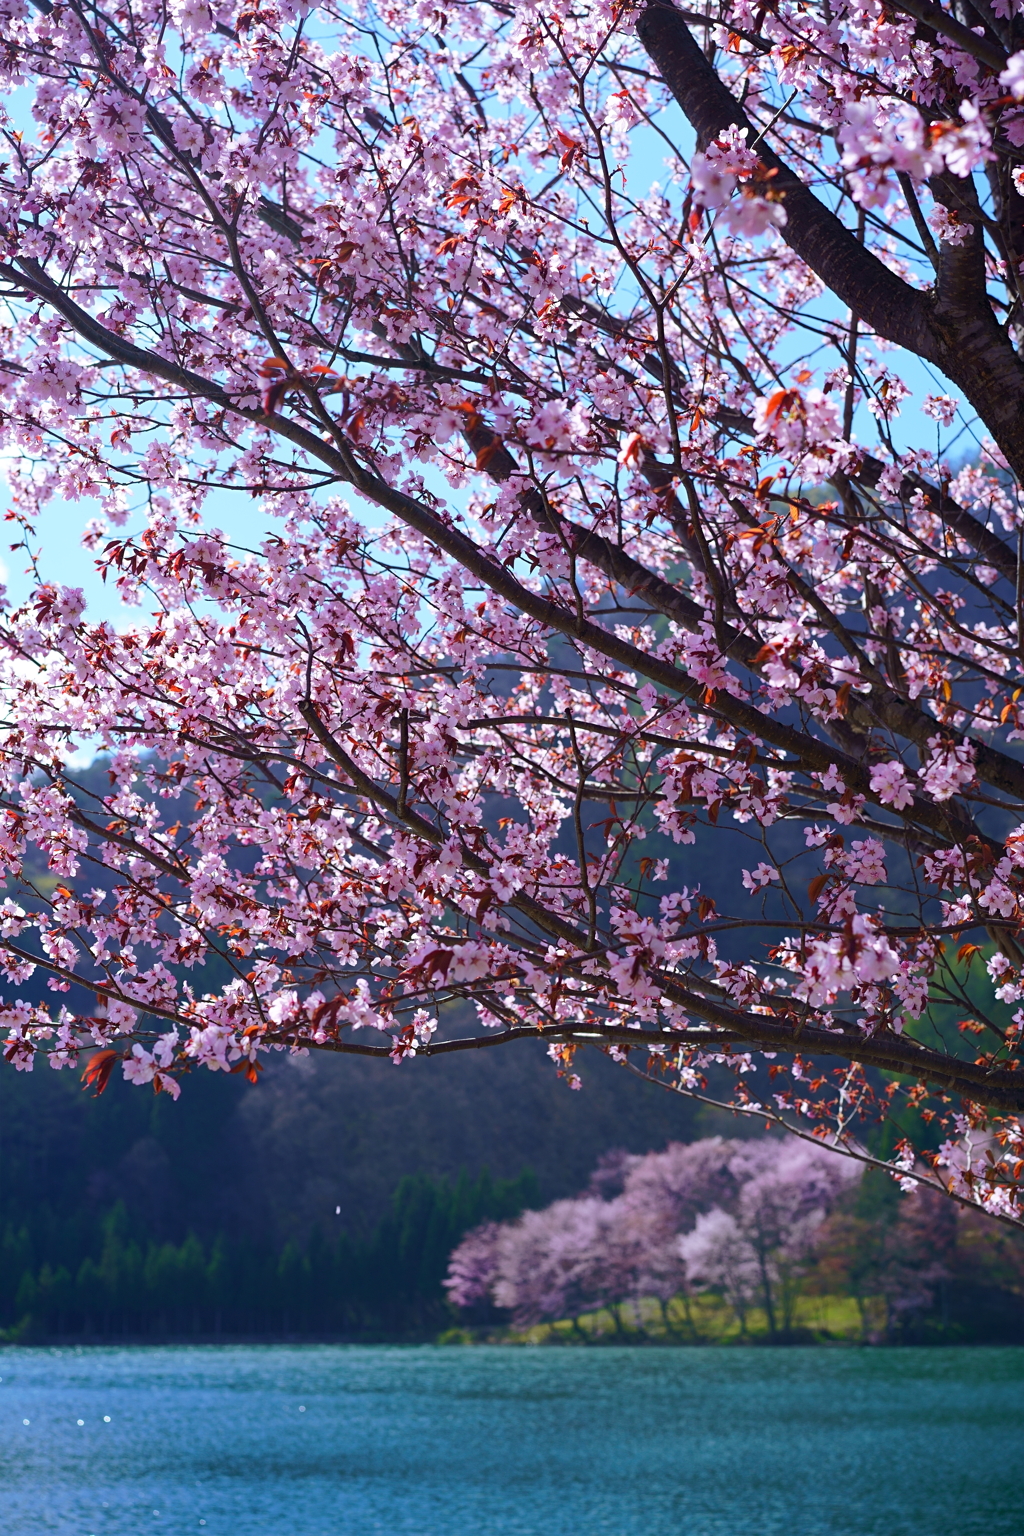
(601, 667)
(743, 1217)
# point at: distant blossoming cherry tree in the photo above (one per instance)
(742, 1217)
(564, 350)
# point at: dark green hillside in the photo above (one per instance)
(326, 1199)
(271, 1162)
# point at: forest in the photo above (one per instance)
(350, 1204)
(754, 1240)
(388, 1284)
(120, 1185)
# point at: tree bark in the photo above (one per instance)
(952, 326)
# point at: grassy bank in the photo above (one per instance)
(705, 1320)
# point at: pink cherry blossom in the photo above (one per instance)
(757, 879)
(889, 783)
(743, 1217)
(1012, 77)
(942, 408)
(592, 576)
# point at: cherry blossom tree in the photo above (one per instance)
(582, 1254)
(717, 1256)
(553, 1263)
(564, 353)
(740, 1217)
(757, 1245)
(473, 1267)
(781, 1208)
(662, 1195)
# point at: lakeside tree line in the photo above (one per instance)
(110, 1280)
(759, 1225)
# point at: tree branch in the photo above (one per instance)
(884, 301)
(940, 21)
(957, 331)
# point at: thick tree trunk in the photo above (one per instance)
(953, 326)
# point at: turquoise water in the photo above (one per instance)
(314, 1441)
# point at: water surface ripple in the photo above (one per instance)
(379, 1441)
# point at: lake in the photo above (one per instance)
(391, 1441)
